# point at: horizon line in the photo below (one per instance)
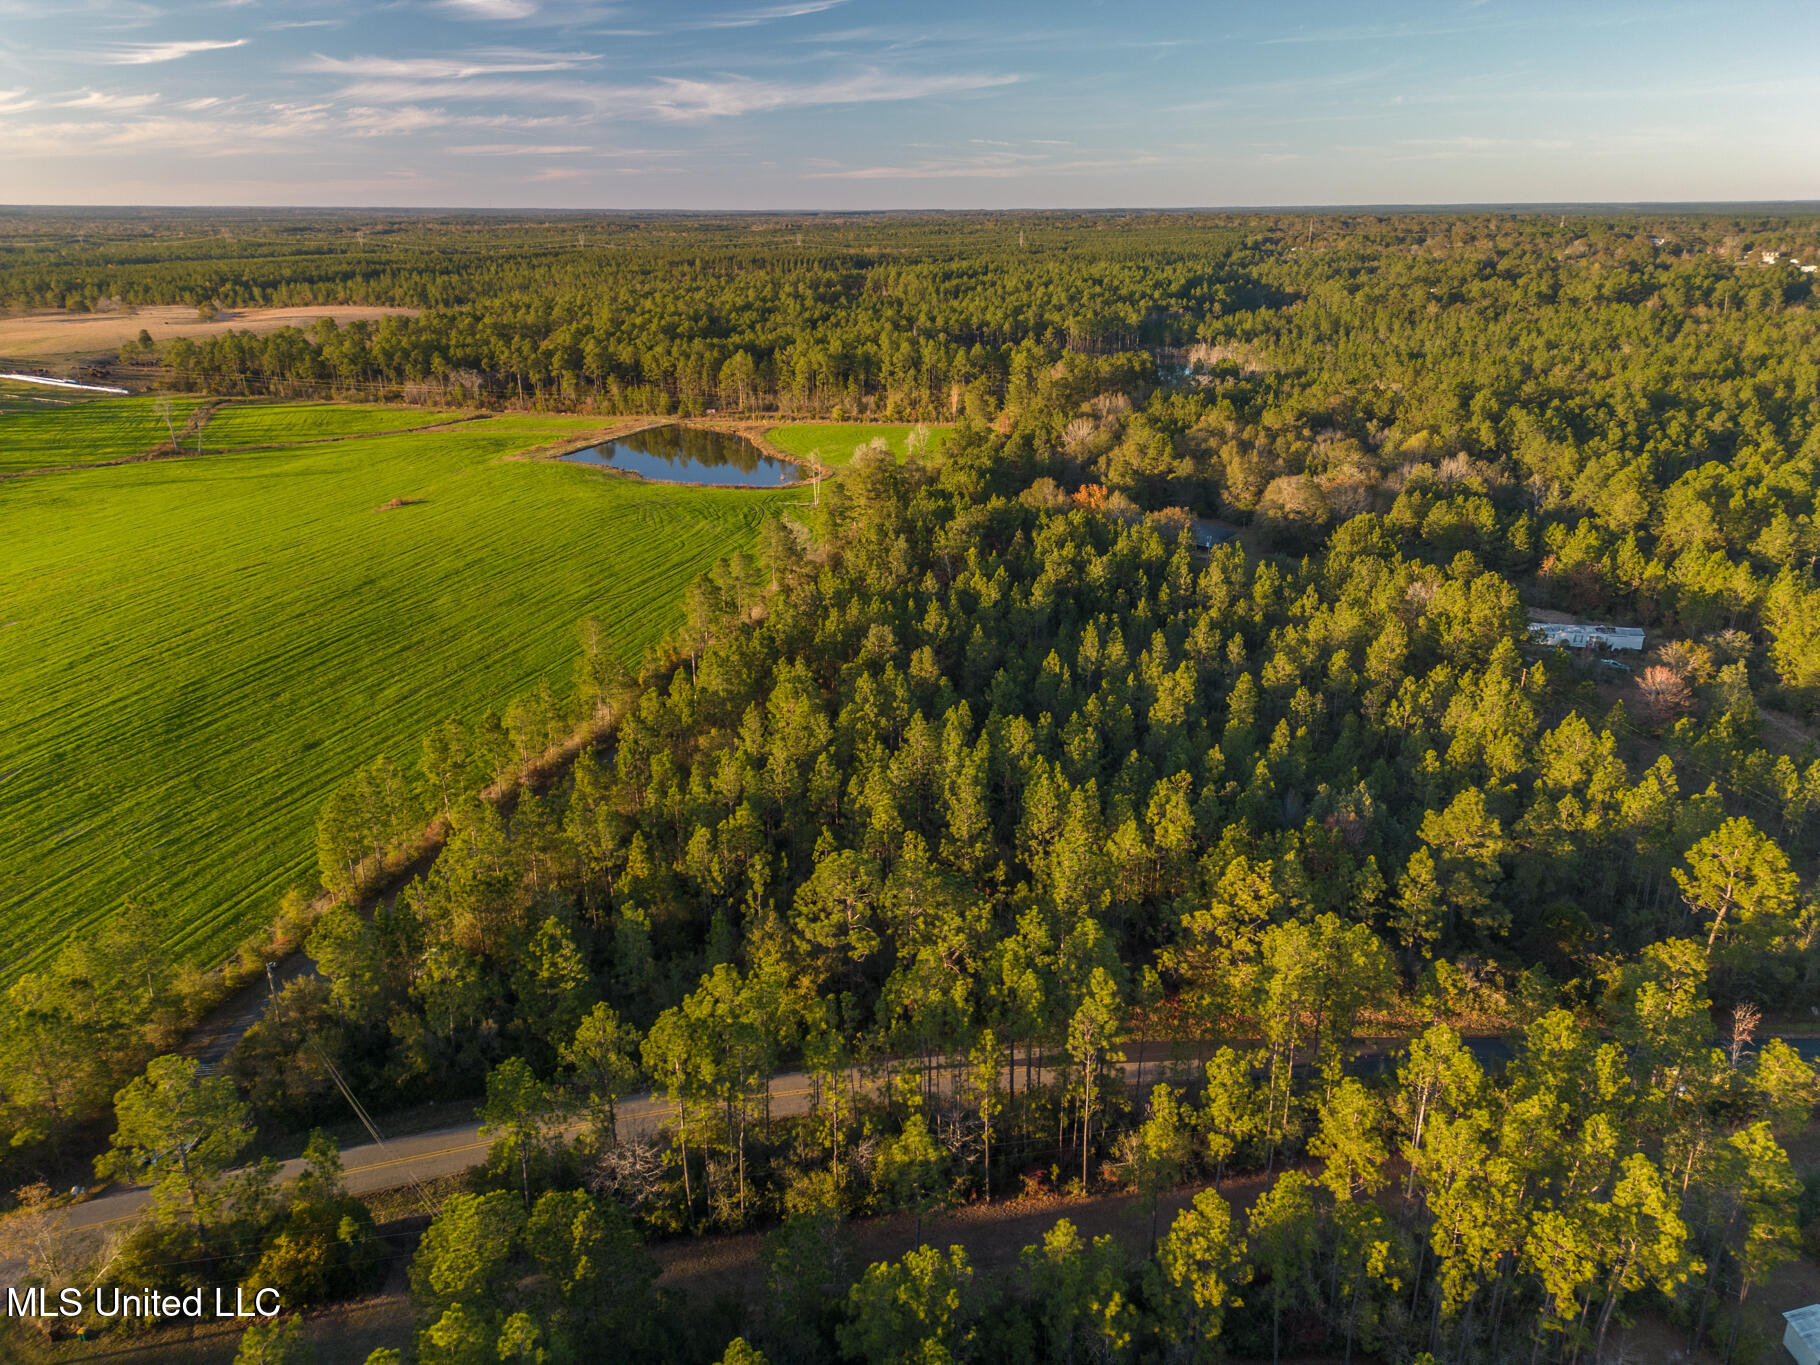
(1436, 206)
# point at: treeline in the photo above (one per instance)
(901, 376)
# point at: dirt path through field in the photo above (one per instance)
(53, 332)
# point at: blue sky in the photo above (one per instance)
(865, 104)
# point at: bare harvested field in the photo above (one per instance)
(53, 332)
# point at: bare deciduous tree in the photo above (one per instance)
(1745, 1018)
(631, 1172)
(1079, 431)
(1665, 693)
(35, 1235)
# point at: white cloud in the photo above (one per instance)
(156, 133)
(16, 102)
(489, 62)
(770, 13)
(97, 99)
(144, 54)
(518, 149)
(492, 9)
(996, 164)
(391, 90)
(392, 122)
(683, 100)
(676, 99)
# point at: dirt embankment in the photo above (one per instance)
(50, 333)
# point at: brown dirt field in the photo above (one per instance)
(52, 332)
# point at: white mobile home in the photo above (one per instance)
(1583, 635)
(1802, 1339)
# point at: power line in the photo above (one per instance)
(366, 1120)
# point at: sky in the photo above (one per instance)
(865, 104)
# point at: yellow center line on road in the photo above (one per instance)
(420, 1156)
(100, 1222)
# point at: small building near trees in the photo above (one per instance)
(1208, 533)
(1802, 1339)
(1586, 635)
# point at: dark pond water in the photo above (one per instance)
(690, 455)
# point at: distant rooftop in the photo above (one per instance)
(1208, 534)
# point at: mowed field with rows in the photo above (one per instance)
(44, 432)
(194, 651)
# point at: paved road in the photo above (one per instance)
(428, 1156)
(398, 1162)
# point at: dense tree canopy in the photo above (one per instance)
(1040, 845)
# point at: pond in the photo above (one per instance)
(690, 455)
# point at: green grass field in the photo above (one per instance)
(193, 652)
(17, 397)
(272, 424)
(837, 440)
(37, 434)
